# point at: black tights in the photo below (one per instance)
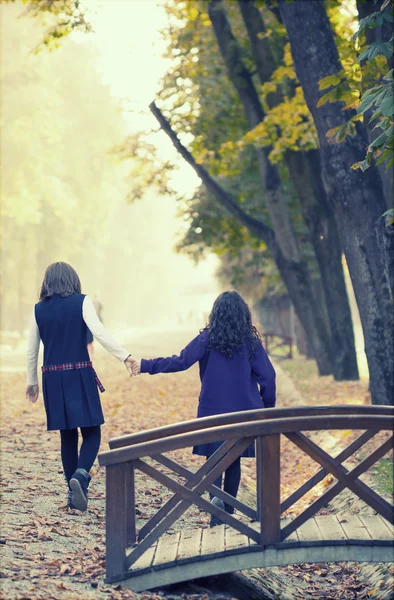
(232, 477)
(91, 437)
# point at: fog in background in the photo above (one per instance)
(63, 194)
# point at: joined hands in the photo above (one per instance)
(133, 366)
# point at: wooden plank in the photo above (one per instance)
(319, 476)
(331, 530)
(130, 504)
(212, 542)
(269, 489)
(115, 520)
(291, 541)
(235, 542)
(354, 528)
(293, 537)
(377, 529)
(189, 549)
(309, 534)
(390, 525)
(144, 562)
(166, 552)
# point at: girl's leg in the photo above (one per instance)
(80, 480)
(232, 477)
(69, 452)
(90, 446)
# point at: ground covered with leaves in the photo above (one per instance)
(49, 552)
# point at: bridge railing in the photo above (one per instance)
(140, 451)
(274, 342)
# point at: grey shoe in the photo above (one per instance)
(79, 484)
(70, 500)
(219, 504)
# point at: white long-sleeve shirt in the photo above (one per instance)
(98, 330)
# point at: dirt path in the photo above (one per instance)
(48, 552)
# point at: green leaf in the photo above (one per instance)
(329, 81)
(329, 97)
(386, 107)
(363, 165)
(390, 164)
(389, 213)
(384, 156)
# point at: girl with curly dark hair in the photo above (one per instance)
(235, 371)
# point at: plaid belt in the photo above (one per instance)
(70, 366)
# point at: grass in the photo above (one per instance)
(383, 476)
(299, 368)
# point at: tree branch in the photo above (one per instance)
(227, 200)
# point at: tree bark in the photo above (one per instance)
(357, 198)
(304, 169)
(323, 231)
(295, 273)
(385, 237)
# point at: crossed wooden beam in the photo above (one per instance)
(345, 477)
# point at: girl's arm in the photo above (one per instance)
(33, 345)
(100, 333)
(189, 355)
(266, 375)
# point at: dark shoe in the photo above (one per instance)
(219, 504)
(70, 500)
(229, 509)
(79, 484)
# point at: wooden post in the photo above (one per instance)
(115, 519)
(259, 478)
(269, 489)
(130, 504)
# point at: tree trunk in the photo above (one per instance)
(293, 269)
(304, 170)
(385, 237)
(357, 198)
(323, 231)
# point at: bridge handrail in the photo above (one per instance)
(244, 417)
(245, 429)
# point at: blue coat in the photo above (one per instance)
(71, 398)
(227, 384)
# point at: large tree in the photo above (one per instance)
(304, 170)
(357, 198)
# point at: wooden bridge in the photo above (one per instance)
(259, 537)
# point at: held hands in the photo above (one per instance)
(133, 366)
(32, 393)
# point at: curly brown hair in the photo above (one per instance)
(230, 325)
